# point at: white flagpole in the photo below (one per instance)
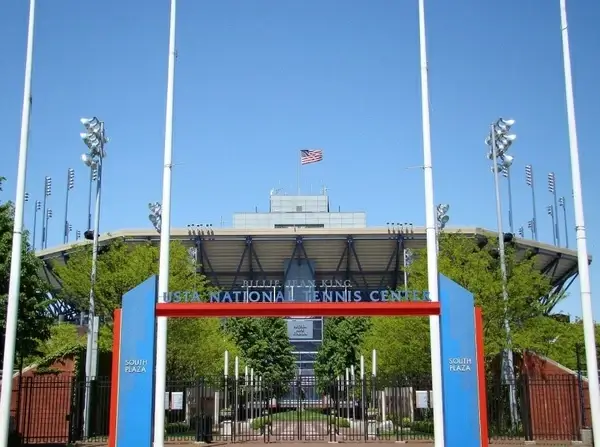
(12, 311)
(582, 253)
(432, 261)
(165, 235)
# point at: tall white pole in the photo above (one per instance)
(12, 311)
(90, 354)
(432, 262)
(508, 365)
(165, 234)
(582, 253)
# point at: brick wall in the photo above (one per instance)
(557, 399)
(41, 403)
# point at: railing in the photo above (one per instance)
(49, 409)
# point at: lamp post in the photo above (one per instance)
(562, 204)
(14, 284)
(499, 141)
(582, 253)
(506, 175)
(70, 185)
(47, 193)
(530, 183)
(95, 139)
(550, 212)
(38, 207)
(431, 234)
(552, 190)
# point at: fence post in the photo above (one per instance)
(580, 384)
(526, 408)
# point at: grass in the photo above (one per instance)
(295, 415)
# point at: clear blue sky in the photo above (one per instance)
(258, 80)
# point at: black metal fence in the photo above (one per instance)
(50, 409)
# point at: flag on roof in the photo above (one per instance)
(308, 156)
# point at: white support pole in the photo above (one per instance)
(582, 253)
(362, 367)
(374, 363)
(432, 261)
(165, 235)
(12, 311)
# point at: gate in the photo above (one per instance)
(302, 409)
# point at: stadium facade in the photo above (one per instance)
(304, 247)
(299, 279)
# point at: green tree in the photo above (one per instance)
(195, 346)
(342, 338)
(477, 269)
(33, 322)
(265, 346)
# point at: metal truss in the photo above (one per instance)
(249, 267)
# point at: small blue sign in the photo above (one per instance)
(136, 366)
(459, 366)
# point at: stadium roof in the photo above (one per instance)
(367, 255)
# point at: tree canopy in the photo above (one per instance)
(341, 346)
(403, 343)
(33, 323)
(265, 346)
(194, 346)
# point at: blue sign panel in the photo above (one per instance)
(459, 366)
(136, 366)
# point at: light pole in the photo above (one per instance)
(93, 178)
(530, 183)
(582, 253)
(563, 205)
(552, 190)
(550, 211)
(95, 139)
(163, 270)
(408, 260)
(506, 175)
(26, 199)
(530, 225)
(432, 244)
(155, 215)
(47, 193)
(14, 287)
(442, 216)
(38, 207)
(499, 140)
(47, 220)
(70, 185)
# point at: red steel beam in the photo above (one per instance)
(182, 310)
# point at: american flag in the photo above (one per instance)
(308, 156)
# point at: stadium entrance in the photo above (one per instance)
(235, 409)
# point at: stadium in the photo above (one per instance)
(303, 247)
(300, 249)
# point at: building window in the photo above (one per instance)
(299, 208)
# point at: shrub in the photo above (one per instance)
(175, 428)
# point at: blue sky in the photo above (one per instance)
(258, 80)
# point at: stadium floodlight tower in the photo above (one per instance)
(442, 215)
(95, 139)
(155, 215)
(499, 141)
